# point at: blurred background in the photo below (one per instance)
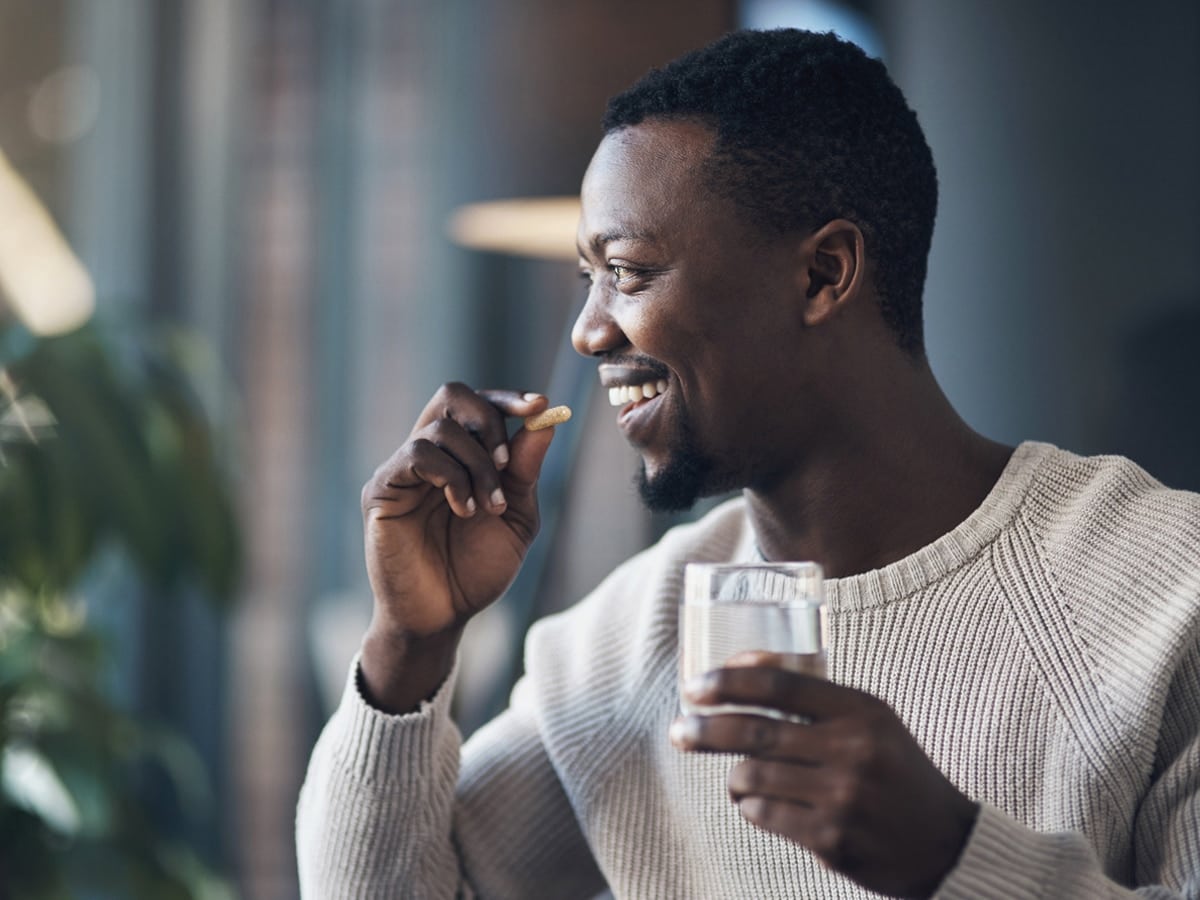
(240, 246)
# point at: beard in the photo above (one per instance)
(686, 477)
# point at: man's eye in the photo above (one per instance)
(622, 273)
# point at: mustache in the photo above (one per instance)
(638, 361)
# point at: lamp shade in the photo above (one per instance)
(538, 227)
(42, 282)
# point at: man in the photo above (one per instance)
(1013, 703)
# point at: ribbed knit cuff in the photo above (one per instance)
(1004, 860)
(386, 749)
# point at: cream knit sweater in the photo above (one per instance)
(1045, 653)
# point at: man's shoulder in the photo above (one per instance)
(1101, 503)
(1116, 541)
(1117, 555)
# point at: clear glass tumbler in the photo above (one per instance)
(729, 608)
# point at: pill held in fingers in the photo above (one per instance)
(555, 415)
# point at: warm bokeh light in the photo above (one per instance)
(541, 227)
(42, 282)
(65, 105)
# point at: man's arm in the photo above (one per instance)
(374, 811)
(447, 522)
(853, 785)
(1167, 829)
(386, 812)
(1005, 859)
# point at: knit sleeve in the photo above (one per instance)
(515, 822)
(1004, 859)
(1167, 830)
(386, 812)
(373, 819)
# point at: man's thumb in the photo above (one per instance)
(527, 451)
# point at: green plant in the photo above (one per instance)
(104, 445)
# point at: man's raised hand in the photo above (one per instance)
(447, 522)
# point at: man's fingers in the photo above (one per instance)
(516, 403)
(460, 446)
(807, 663)
(528, 453)
(789, 692)
(793, 782)
(777, 816)
(795, 821)
(418, 463)
(471, 455)
(834, 843)
(480, 413)
(756, 736)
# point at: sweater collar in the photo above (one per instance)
(936, 560)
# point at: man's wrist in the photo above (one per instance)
(967, 815)
(398, 672)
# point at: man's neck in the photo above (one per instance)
(908, 473)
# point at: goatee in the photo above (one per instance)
(682, 481)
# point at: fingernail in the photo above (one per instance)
(497, 497)
(696, 686)
(470, 504)
(500, 456)
(683, 731)
(531, 396)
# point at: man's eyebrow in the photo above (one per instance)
(597, 241)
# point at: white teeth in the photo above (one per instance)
(631, 393)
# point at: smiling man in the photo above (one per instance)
(1013, 708)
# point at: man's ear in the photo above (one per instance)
(832, 269)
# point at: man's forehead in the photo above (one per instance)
(653, 146)
(638, 177)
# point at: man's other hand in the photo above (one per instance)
(851, 783)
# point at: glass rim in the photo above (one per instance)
(807, 602)
(699, 577)
(809, 567)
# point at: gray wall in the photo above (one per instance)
(1063, 301)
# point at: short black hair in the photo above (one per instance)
(808, 129)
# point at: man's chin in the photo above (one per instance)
(676, 488)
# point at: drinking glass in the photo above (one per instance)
(729, 608)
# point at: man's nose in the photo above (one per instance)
(595, 331)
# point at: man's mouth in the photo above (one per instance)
(631, 384)
(636, 387)
(624, 394)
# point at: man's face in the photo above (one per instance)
(690, 300)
